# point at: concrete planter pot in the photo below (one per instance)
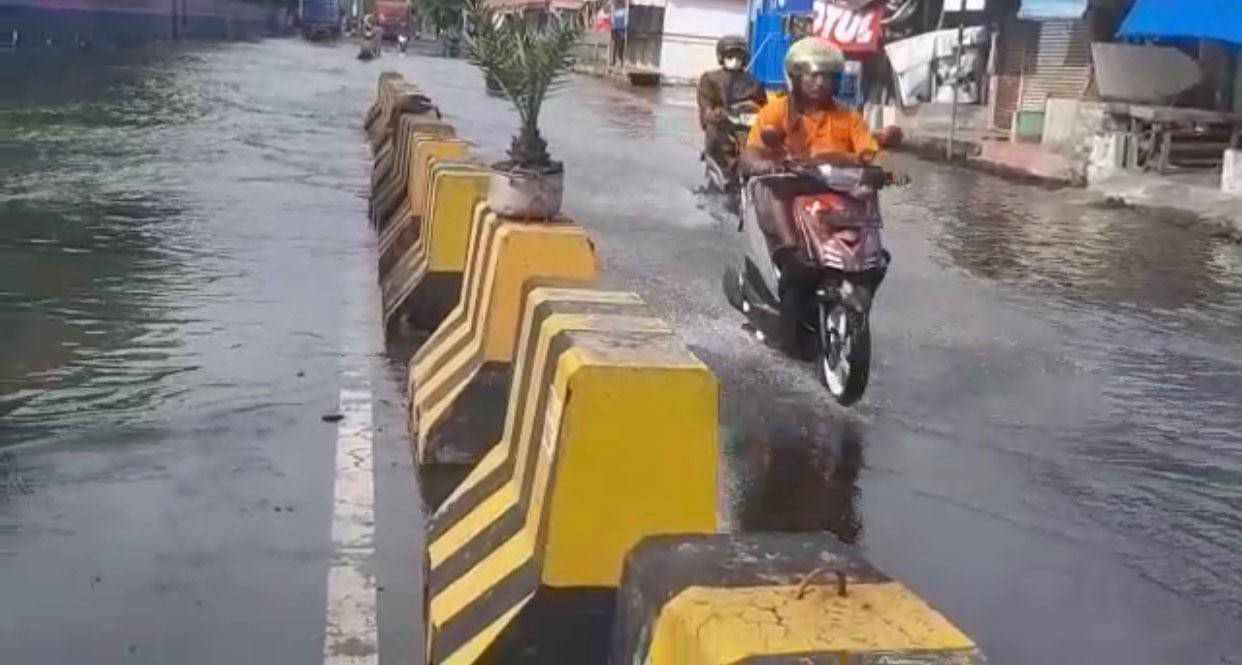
(526, 194)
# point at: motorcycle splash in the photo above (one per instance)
(822, 314)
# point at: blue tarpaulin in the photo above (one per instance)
(1185, 19)
(1052, 9)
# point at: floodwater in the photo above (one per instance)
(1050, 450)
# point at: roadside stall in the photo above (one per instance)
(1198, 124)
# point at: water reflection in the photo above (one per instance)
(1061, 241)
(89, 257)
(798, 475)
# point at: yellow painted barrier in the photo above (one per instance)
(459, 378)
(406, 223)
(409, 222)
(382, 140)
(610, 436)
(721, 599)
(379, 130)
(422, 285)
(391, 196)
(390, 154)
(384, 95)
(397, 93)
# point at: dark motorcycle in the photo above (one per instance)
(721, 171)
(838, 225)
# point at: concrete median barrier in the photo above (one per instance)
(423, 148)
(387, 156)
(407, 224)
(379, 130)
(610, 436)
(392, 197)
(772, 598)
(459, 378)
(422, 283)
(389, 81)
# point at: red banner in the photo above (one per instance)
(852, 31)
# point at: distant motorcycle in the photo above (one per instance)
(838, 225)
(723, 177)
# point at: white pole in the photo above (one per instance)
(957, 77)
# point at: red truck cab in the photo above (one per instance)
(393, 18)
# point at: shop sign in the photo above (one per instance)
(851, 30)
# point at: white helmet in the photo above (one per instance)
(811, 55)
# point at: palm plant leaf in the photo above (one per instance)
(528, 62)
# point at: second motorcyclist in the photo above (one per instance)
(721, 88)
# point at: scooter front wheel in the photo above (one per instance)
(844, 352)
(731, 284)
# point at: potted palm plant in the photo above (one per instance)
(523, 61)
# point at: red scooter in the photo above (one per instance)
(838, 226)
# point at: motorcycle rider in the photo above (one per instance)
(812, 124)
(721, 88)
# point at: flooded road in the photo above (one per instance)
(1050, 451)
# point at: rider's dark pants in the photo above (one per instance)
(773, 201)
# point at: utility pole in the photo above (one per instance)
(960, 7)
(957, 77)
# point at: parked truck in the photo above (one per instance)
(393, 18)
(320, 19)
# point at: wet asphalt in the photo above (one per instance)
(1049, 451)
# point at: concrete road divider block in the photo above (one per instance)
(383, 99)
(407, 224)
(390, 199)
(459, 377)
(410, 102)
(610, 437)
(379, 131)
(387, 156)
(772, 598)
(562, 303)
(423, 150)
(422, 284)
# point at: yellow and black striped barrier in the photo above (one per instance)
(610, 436)
(384, 94)
(722, 599)
(384, 142)
(379, 131)
(459, 379)
(423, 283)
(390, 194)
(405, 225)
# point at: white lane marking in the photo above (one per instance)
(351, 634)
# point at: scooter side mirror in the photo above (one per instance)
(773, 137)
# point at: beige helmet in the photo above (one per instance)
(811, 55)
